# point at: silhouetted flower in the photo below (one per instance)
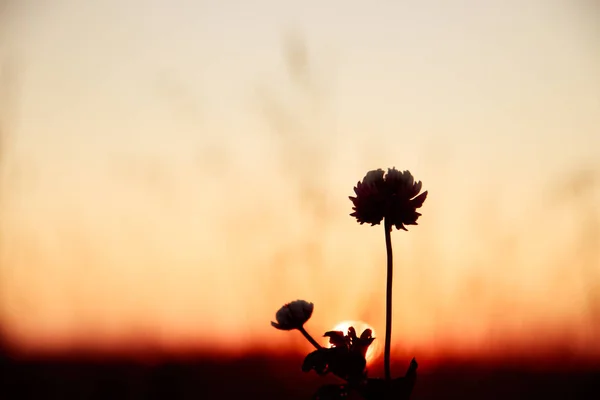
(394, 197)
(346, 358)
(360, 344)
(293, 315)
(353, 343)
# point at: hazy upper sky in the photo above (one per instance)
(179, 168)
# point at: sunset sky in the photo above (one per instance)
(175, 171)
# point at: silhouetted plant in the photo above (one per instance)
(394, 199)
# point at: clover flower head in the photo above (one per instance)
(393, 196)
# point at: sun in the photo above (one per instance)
(360, 326)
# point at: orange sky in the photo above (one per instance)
(175, 174)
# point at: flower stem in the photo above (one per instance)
(388, 302)
(309, 338)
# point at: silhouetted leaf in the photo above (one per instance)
(400, 389)
(337, 360)
(337, 338)
(317, 360)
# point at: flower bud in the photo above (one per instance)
(293, 315)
